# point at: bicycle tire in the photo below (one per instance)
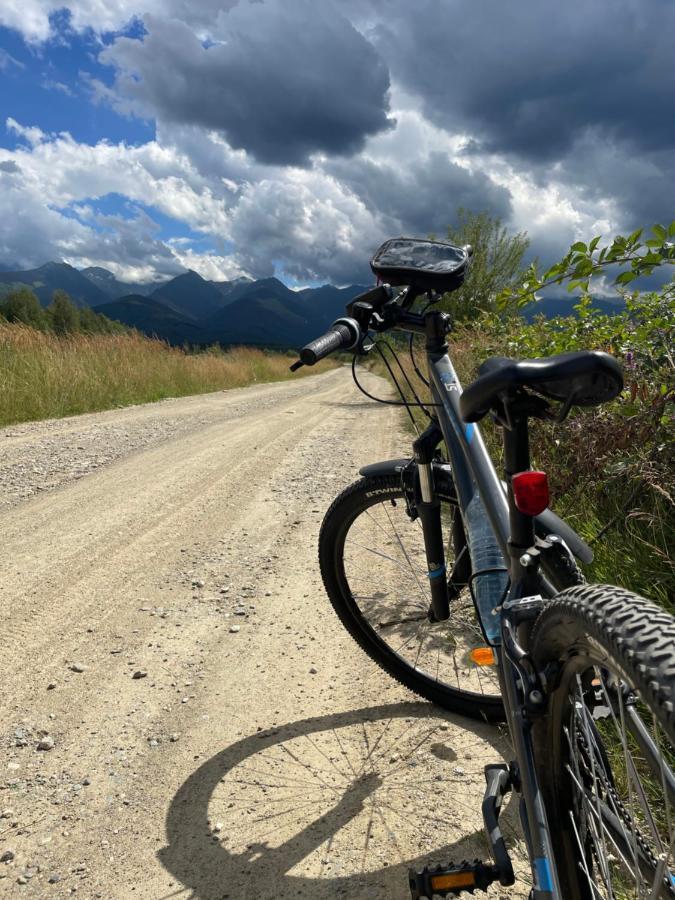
(359, 498)
(588, 630)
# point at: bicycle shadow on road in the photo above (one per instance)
(319, 856)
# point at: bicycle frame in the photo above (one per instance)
(473, 470)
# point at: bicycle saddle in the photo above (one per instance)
(585, 378)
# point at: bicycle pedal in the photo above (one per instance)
(451, 880)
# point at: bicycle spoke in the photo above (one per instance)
(621, 818)
(384, 564)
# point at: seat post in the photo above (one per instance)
(517, 459)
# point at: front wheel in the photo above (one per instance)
(374, 569)
(605, 748)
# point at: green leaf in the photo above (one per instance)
(579, 247)
(625, 277)
(633, 239)
(552, 271)
(659, 231)
(594, 243)
(671, 229)
(585, 267)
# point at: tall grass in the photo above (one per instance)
(45, 376)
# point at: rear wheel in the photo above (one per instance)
(605, 749)
(374, 568)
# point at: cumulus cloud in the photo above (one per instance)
(300, 219)
(577, 100)
(286, 80)
(31, 133)
(530, 77)
(298, 135)
(424, 196)
(65, 171)
(310, 223)
(48, 207)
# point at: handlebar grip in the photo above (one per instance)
(341, 336)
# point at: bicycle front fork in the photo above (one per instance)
(429, 510)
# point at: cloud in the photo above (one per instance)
(48, 207)
(425, 195)
(530, 77)
(309, 223)
(65, 171)
(7, 61)
(295, 136)
(285, 80)
(32, 134)
(638, 183)
(301, 220)
(50, 85)
(35, 18)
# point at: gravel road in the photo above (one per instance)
(181, 714)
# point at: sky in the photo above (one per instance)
(291, 137)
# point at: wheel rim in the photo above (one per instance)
(385, 575)
(619, 786)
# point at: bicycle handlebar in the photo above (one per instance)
(342, 335)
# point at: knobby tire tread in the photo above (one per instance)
(638, 633)
(627, 633)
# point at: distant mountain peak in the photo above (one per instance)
(55, 264)
(98, 272)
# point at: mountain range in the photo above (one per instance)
(190, 309)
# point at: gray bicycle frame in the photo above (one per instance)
(473, 470)
(472, 467)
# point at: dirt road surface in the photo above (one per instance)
(181, 713)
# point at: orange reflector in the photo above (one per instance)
(460, 879)
(483, 656)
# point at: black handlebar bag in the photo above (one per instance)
(429, 265)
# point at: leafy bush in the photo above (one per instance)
(611, 468)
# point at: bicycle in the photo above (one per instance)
(583, 674)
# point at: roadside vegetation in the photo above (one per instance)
(611, 468)
(45, 374)
(20, 305)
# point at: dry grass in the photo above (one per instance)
(44, 376)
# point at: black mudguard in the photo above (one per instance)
(546, 523)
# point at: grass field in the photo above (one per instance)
(44, 376)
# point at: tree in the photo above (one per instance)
(496, 264)
(90, 322)
(21, 305)
(64, 315)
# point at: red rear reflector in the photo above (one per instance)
(530, 491)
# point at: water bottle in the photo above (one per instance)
(488, 588)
